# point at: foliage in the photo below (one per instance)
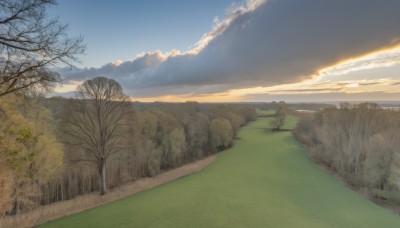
(358, 141)
(197, 134)
(221, 133)
(279, 118)
(30, 148)
(233, 114)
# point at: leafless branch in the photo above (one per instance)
(30, 43)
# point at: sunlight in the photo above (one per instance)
(381, 58)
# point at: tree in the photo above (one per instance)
(30, 44)
(230, 113)
(97, 123)
(221, 133)
(197, 132)
(279, 119)
(381, 159)
(248, 114)
(171, 138)
(29, 150)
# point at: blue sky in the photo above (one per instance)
(119, 30)
(243, 50)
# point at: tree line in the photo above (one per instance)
(55, 149)
(360, 142)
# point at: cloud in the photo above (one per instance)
(354, 83)
(379, 59)
(305, 90)
(369, 83)
(119, 69)
(326, 97)
(262, 43)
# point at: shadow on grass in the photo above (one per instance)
(281, 130)
(268, 131)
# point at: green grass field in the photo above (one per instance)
(265, 180)
(265, 112)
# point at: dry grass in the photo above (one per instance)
(57, 210)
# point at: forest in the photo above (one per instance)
(47, 156)
(359, 142)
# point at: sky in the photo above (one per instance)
(238, 51)
(122, 29)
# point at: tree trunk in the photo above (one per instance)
(102, 175)
(14, 209)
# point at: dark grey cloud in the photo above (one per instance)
(178, 90)
(116, 70)
(281, 41)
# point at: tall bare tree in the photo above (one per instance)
(30, 44)
(97, 123)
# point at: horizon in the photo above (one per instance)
(245, 51)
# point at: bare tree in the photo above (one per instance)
(97, 123)
(30, 44)
(279, 119)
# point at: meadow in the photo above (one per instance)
(265, 180)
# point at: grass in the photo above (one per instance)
(265, 112)
(265, 180)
